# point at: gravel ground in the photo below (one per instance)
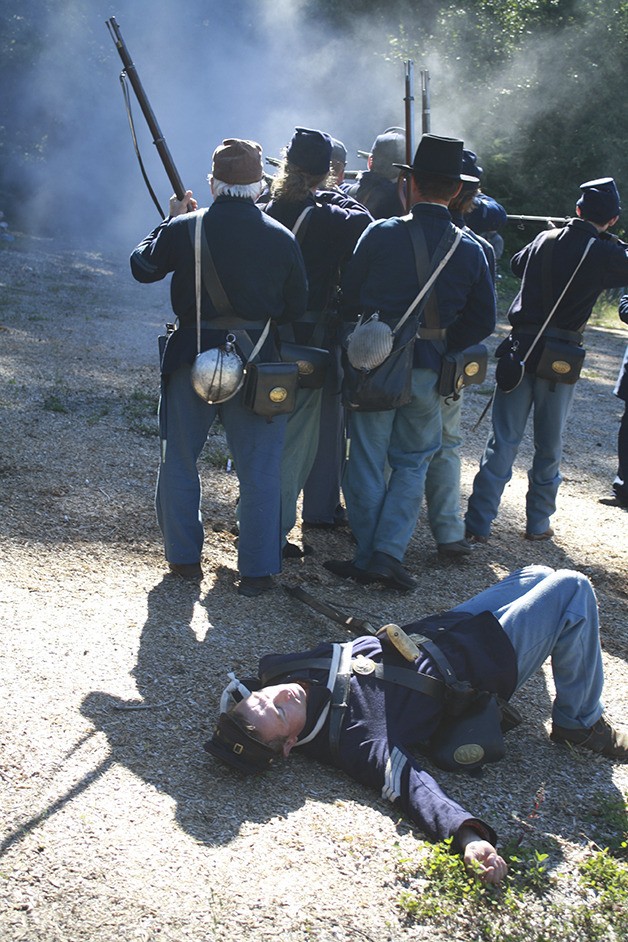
(116, 824)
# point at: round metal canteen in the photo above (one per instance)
(217, 374)
(369, 344)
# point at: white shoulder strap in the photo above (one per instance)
(331, 680)
(301, 219)
(562, 295)
(197, 273)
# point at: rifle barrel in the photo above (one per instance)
(158, 138)
(426, 115)
(409, 103)
(349, 174)
(556, 220)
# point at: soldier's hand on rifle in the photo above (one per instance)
(179, 207)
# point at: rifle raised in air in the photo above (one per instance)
(159, 141)
(409, 103)
(426, 116)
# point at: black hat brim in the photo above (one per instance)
(462, 177)
(228, 757)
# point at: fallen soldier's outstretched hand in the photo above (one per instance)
(481, 859)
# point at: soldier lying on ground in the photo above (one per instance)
(365, 709)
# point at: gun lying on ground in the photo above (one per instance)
(159, 141)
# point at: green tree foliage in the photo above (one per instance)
(542, 84)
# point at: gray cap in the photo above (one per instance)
(388, 148)
(338, 152)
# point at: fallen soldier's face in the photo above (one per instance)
(277, 713)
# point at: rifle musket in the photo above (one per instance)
(158, 139)
(409, 119)
(562, 220)
(426, 112)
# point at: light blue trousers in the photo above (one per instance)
(299, 452)
(383, 510)
(321, 491)
(442, 482)
(510, 416)
(255, 444)
(552, 614)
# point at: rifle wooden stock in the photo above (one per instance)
(158, 138)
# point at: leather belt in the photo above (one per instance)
(431, 333)
(557, 333)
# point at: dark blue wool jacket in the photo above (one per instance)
(382, 276)
(606, 266)
(258, 261)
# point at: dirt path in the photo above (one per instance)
(116, 824)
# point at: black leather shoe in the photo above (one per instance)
(346, 569)
(540, 537)
(334, 525)
(601, 738)
(191, 572)
(252, 586)
(621, 494)
(460, 548)
(387, 569)
(292, 551)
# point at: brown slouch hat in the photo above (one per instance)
(238, 162)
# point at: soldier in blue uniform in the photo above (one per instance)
(261, 269)
(620, 484)
(486, 217)
(329, 225)
(378, 186)
(545, 266)
(353, 707)
(442, 482)
(382, 276)
(322, 508)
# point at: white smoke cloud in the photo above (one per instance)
(210, 70)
